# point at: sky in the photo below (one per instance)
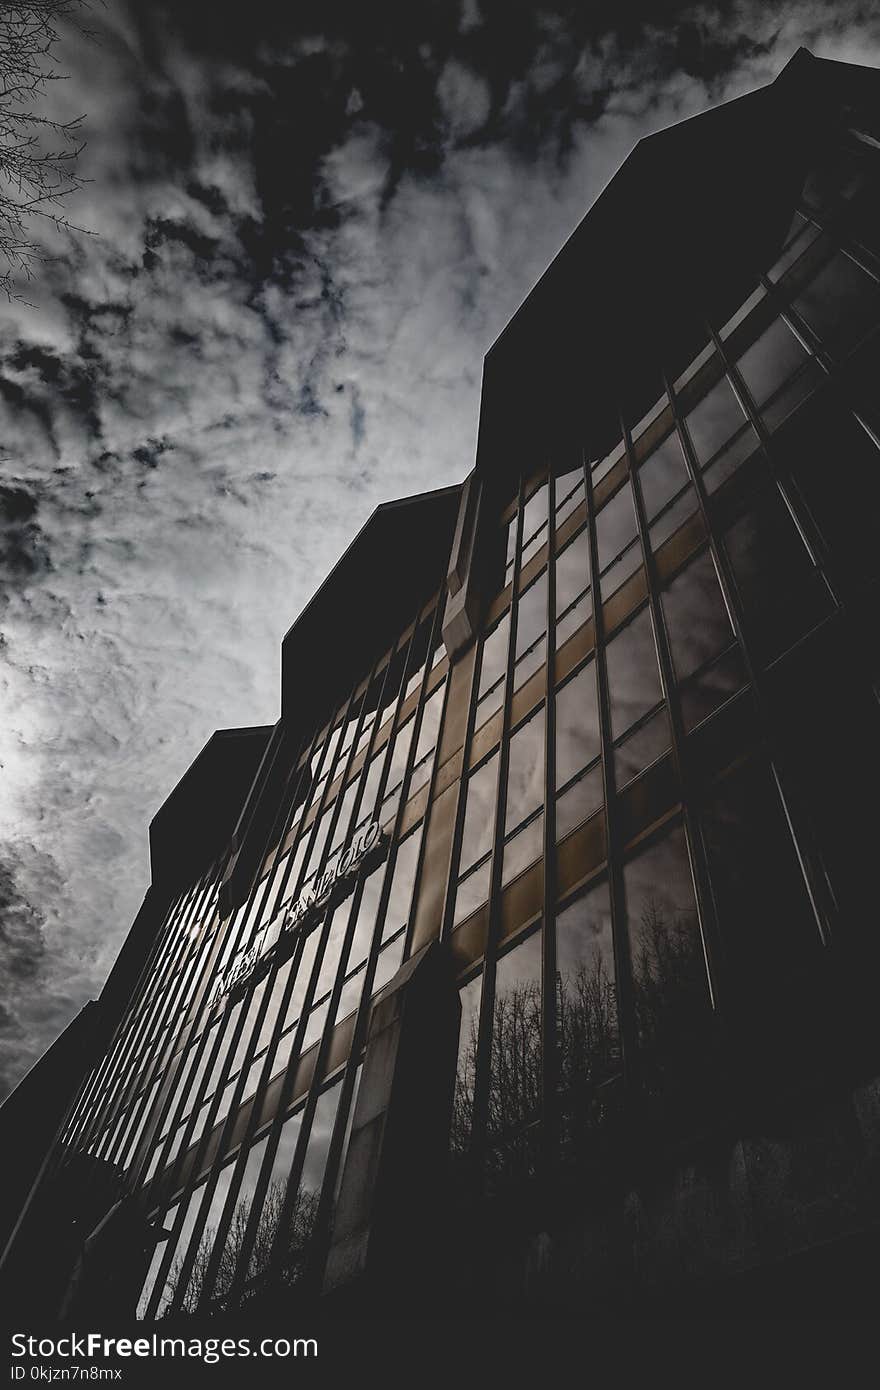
(307, 224)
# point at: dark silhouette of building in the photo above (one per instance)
(528, 964)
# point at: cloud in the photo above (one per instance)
(465, 99)
(305, 243)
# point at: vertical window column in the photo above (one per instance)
(695, 846)
(816, 881)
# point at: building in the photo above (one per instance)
(528, 963)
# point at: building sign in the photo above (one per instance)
(334, 886)
(338, 879)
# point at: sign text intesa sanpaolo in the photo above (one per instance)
(335, 884)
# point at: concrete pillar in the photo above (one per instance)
(387, 1236)
(463, 600)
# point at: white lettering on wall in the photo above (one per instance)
(336, 882)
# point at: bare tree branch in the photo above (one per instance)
(38, 155)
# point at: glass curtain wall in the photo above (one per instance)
(220, 1095)
(639, 883)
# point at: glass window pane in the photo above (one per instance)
(801, 385)
(579, 801)
(402, 740)
(270, 1214)
(303, 974)
(176, 1268)
(531, 618)
(302, 1218)
(510, 552)
(515, 1064)
(662, 475)
(196, 1285)
(725, 464)
(252, 1077)
(343, 822)
(366, 728)
(229, 1024)
(641, 748)
(783, 596)
(837, 468)
(714, 421)
(271, 901)
(577, 724)
(466, 1068)
(367, 808)
(570, 493)
(493, 662)
(523, 849)
(315, 1023)
(633, 677)
(668, 522)
(574, 619)
(350, 995)
(418, 654)
(771, 360)
(600, 467)
(531, 641)
(332, 953)
(153, 1271)
(710, 688)
(588, 1040)
(672, 1004)
(572, 571)
(388, 963)
(233, 1247)
(366, 919)
(620, 570)
(430, 723)
(390, 686)
(472, 892)
(479, 813)
(696, 616)
(699, 629)
(615, 526)
(400, 897)
(743, 311)
(319, 843)
(525, 772)
(840, 304)
(763, 909)
(534, 524)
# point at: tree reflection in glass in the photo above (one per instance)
(587, 1038)
(300, 1223)
(515, 1065)
(466, 1069)
(671, 997)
